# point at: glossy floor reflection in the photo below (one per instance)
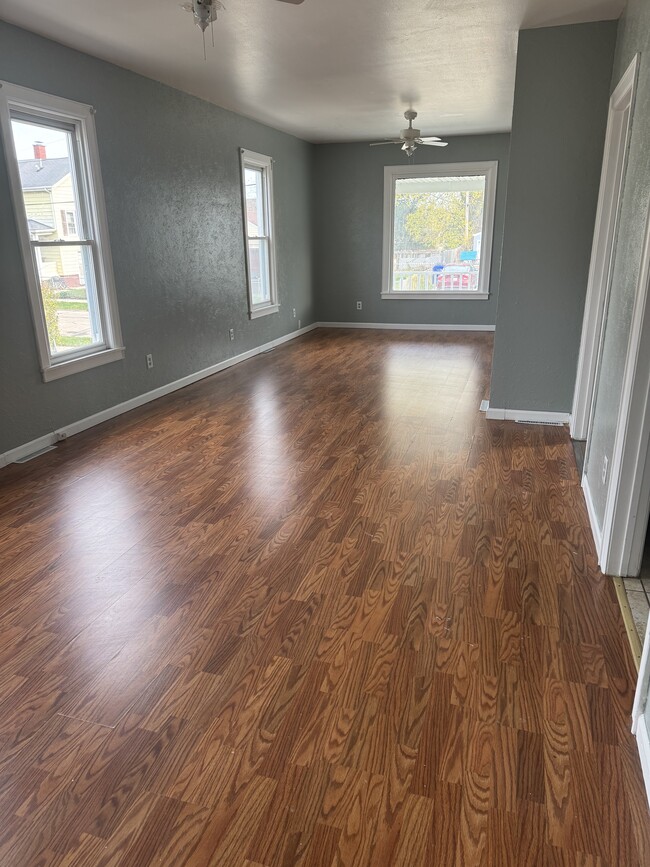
(314, 610)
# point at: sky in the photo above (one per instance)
(25, 134)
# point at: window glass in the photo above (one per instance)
(48, 166)
(66, 280)
(254, 179)
(258, 225)
(437, 234)
(258, 258)
(46, 162)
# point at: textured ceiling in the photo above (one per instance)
(327, 70)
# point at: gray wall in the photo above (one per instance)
(170, 166)
(634, 36)
(348, 232)
(558, 132)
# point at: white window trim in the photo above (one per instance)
(259, 161)
(395, 173)
(14, 97)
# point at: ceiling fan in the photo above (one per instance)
(205, 11)
(410, 138)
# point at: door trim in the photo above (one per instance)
(640, 712)
(617, 142)
(628, 494)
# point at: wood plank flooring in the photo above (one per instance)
(315, 610)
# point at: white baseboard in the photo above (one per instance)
(396, 326)
(29, 448)
(644, 751)
(593, 520)
(527, 415)
(105, 415)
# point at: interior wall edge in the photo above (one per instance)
(596, 529)
(562, 91)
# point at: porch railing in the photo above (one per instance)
(435, 281)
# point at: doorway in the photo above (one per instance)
(600, 273)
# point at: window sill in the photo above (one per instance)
(435, 296)
(264, 311)
(86, 362)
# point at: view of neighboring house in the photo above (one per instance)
(51, 215)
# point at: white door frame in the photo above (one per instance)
(621, 106)
(628, 494)
(641, 712)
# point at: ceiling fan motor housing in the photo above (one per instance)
(409, 134)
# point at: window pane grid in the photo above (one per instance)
(86, 243)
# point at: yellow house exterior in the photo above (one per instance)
(52, 215)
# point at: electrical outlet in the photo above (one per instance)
(149, 361)
(60, 436)
(605, 466)
(294, 312)
(359, 305)
(232, 333)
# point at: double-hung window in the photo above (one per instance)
(438, 229)
(53, 164)
(259, 234)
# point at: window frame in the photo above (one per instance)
(36, 105)
(394, 173)
(250, 159)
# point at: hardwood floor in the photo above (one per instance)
(314, 610)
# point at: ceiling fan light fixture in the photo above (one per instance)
(411, 137)
(205, 12)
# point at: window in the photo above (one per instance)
(69, 223)
(58, 200)
(438, 225)
(257, 198)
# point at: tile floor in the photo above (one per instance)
(637, 591)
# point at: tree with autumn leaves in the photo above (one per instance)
(442, 220)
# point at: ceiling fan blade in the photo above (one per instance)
(426, 138)
(435, 144)
(295, 2)
(377, 144)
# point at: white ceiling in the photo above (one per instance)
(327, 70)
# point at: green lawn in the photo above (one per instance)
(71, 305)
(78, 293)
(73, 341)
